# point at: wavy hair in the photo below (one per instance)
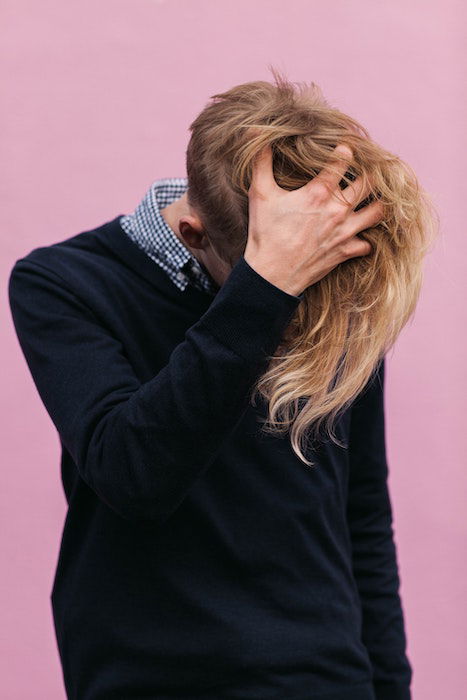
(348, 320)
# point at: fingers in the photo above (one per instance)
(358, 191)
(327, 176)
(262, 178)
(365, 217)
(356, 247)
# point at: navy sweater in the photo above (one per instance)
(200, 558)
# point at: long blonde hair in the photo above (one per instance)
(348, 320)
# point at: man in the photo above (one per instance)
(199, 559)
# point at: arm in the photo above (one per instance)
(375, 563)
(141, 446)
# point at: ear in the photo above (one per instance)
(192, 232)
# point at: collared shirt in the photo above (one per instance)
(149, 230)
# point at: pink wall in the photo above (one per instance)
(95, 92)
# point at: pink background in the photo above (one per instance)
(99, 96)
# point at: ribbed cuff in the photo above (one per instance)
(249, 314)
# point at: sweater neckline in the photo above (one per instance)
(115, 238)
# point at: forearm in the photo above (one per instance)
(141, 447)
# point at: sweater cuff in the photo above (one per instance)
(392, 691)
(249, 314)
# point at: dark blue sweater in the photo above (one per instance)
(200, 558)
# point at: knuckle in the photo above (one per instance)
(320, 192)
(338, 214)
(345, 251)
(348, 247)
(376, 210)
(344, 149)
(255, 192)
(355, 248)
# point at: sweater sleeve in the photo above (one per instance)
(375, 565)
(141, 446)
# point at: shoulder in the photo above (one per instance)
(76, 262)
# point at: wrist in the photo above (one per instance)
(275, 277)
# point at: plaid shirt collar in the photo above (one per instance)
(149, 230)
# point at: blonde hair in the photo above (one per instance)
(348, 320)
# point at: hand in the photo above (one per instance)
(296, 237)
